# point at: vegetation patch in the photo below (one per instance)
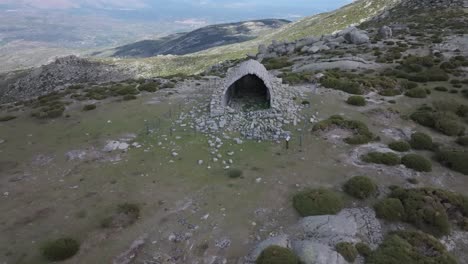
(296, 77)
(60, 249)
(400, 146)
(277, 255)
(410, 247)
(363, 249)
(277, 63)
(317, 202)
(234, 173)
(356, 100)
(89, 107)
(390, 209)
(417, 162)
(429, 209)
(463, 141)
(421, 141)
(7, 118)
(125, 215)
(129, 97)
(360, 187)
(347, 250)
(454, 159)
(445, 117)
(361, 133)
(417, 93)
(385, 158)
(149, 87)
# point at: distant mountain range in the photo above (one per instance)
(200, 39)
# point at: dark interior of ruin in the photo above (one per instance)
(249, 93)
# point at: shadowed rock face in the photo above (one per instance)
(200, 39)
(249, 89)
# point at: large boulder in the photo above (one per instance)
(306, 42)
(350, 225)
(262, 49)
(385, 32)
(355, 36)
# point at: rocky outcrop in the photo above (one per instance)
(355, 36)
(61, 73)
(314, 238)
(385, 32)
(313, 44)
(418, 4)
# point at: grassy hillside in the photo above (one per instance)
(325, 23)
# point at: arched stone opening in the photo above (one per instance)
(249, 93)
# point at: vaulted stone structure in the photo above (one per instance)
(247, 85)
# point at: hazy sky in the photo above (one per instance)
(186, 10)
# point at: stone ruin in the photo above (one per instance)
(253, 102)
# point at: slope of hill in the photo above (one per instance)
(326, 23)
(200, 39)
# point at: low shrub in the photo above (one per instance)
(385, 158)
(454, 159)
(89, 107)
(356, 100)
(363, 249)
(360, 187)
(317, 202)
(234, 173)
(127, 90)
(432, 209)
(347, 250)
(410, 247)
(129, 97)
(362, 134)
(60, 249)
(7, 118)
(441, 89)
(344, 85)
(277, 63)
(417, 93)
(390, 209)
(400, 146)
(277, 255)
(149, 87)
(421, 141)
(417, 162)
(125, 215)
(463, 141)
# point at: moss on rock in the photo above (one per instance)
(277, 255)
